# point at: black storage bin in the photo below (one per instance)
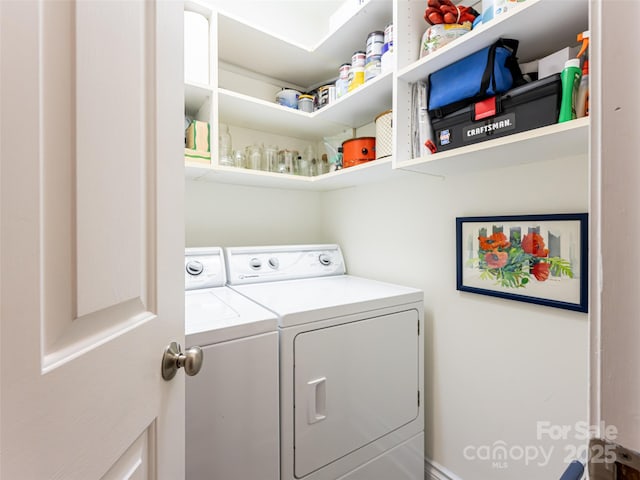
(529, 106)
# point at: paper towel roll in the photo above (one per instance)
(196, 48)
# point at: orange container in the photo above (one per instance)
(358, 150)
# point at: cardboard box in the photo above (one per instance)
(554, 63)
(198, 136)
(193, 156)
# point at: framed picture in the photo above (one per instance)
(538, 259)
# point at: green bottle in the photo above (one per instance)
(570, 78)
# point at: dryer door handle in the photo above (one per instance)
(316, 400)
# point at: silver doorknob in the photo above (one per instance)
(173, 359)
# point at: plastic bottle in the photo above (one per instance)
(570, 77)
(582, 99)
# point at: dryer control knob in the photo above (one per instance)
(194, 267)
(274, 263)
(324, 259)
(255, 263)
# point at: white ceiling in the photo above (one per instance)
(303, 22)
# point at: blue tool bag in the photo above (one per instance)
(489, 71)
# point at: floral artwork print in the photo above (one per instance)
(515, 262)
(539, 259)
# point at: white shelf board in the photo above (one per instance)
(249, 112)
(355, 109)
(195, 95)
(195, 170)
(277, 57)
(362, 105)
(374, 171)
(568, 139)
(541, 26)
(370, 172)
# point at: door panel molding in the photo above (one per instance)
(94, 330)
(99, 283)
(135, 463)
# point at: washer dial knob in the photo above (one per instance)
(325, 259)
(194, 267)
(274, 263)
(255, 263)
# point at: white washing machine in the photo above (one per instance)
(232, 419)
(351, 363)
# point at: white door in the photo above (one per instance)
(91, 239)
(615, 227)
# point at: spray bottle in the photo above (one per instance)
(570, 78)
(582, 99)
(584, 49)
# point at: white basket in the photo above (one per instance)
(384, 128)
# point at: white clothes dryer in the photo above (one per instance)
(232, 419)
(351, 363)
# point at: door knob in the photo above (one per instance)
(173, 359)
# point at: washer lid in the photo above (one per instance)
(312, 299)
(220, 314)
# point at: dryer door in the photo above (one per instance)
(354, 383)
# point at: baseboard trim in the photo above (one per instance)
(435, 471)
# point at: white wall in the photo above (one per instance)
(234, 215)
(494, 368)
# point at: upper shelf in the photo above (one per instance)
(566, 139)
(355, 109)
(276, 57)
(541, 26)
(195, 96)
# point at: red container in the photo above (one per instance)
(358, 150)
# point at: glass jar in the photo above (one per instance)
(239, 159)
(225, 157)
(293, 158)
(254, 157)
(286, 160)
(307, 163)
(270, 159)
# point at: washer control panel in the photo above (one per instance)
(204, 268)
(266, 264)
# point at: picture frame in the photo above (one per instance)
(540, 259)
